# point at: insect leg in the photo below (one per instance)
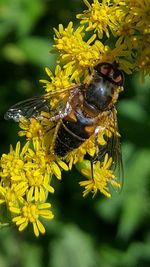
(55, 136)
(92, 170)
(62, 114)
(97, 130)
(68, 108)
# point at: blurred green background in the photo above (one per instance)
(87, 232)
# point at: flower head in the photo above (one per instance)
(100, 179)
(25, 183)
(58, 81)
(12, 164)
(99, 17)
(30, 128)
(30, 212)
(74, 51)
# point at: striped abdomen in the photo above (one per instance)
(70, 136)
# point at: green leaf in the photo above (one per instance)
(135, 197)
(138, 171)
(132, 109)
(141, 87)
(73, 248)
(14, 54)
(110, 256)
(36, 50)
(20, 16)
(31, 255)
(133, 214)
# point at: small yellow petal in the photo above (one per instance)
(30, 194)
(63, 165)
(15, 210)
(21, 221)
(35, 229)
(36, 194)
(23, 226)
(40, 227)
(56, 170)
(44, 206)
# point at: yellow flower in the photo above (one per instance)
(136, 23)
(77, 54)
(121, 55)
(140, 14)
(12, 195)
(78, 154)
(12, 164)
(59, 81)
(126, 33)
(31, 212)
(102, 177)
(40, 159)
(31, 128)
(99, 17)
(143, 63)
(38, 185)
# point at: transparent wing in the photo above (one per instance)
(33, 107)
(113, 149)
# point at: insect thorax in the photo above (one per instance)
(99, 93)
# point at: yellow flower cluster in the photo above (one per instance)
(103, 176)
(109, 30)
(129, 22)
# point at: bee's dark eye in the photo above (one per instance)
(110, 72)
(104, 68)
(118, 78)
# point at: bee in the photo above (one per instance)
(79, 113)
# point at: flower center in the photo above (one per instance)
(30, 212)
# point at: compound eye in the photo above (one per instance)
(104, 68)
(118, 77)
(110, 72)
